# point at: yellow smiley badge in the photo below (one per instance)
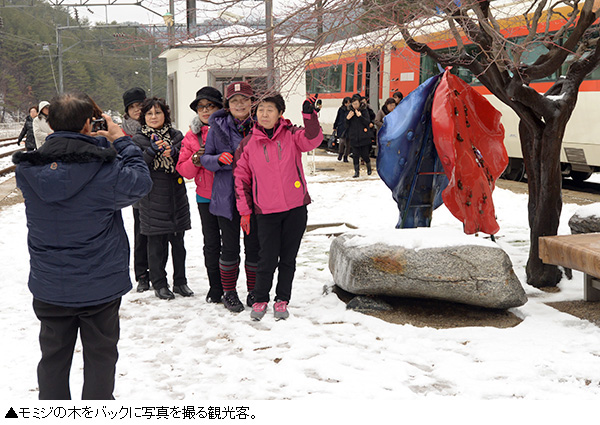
(179, 180)
(297, 184)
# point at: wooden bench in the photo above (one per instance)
(580, 252)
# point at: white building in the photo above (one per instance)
(235, 53)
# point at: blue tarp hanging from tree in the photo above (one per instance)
(408, 162)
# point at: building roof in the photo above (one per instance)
(238, 35)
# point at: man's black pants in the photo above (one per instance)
(99, 329)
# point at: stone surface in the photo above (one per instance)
(579, 224)
(468, 274)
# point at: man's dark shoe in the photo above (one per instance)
(250, 299)
(143, 284)
(232, 302)
(183, 290)
(164, 294)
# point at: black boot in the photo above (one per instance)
(183, 290)
(369, 168)
(215, 293)
(143, 284)
(356, 170)
(164, 293)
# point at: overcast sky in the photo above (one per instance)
(121, 13)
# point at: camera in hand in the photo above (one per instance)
(99, 124)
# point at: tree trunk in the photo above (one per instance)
(541, 153)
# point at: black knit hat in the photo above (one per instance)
(133, 95)
(208, 93)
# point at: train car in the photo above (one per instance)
(377, 65)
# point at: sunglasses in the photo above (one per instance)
(207, 107)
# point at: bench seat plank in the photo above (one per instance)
(579, 252)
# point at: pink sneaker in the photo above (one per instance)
(281, 311)
(258, 311)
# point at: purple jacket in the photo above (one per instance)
(222, 137)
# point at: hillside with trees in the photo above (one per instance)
(100, 61)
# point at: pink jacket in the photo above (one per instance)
(185, 166)
(268, 173)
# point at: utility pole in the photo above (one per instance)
(150, 61)
(270, 45)
(171, 27)
(319, 6)
(191, 17)
(59, 53)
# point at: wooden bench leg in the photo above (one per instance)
(591, 288)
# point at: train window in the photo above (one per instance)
(531, 53)
(324, 80)
(359, 77)
(429, 66)
(350, 77)
(590, 37)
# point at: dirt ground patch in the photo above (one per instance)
(586, 310)
(436, 314)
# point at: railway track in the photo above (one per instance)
(6, 142)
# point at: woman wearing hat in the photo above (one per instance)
(41, 128)
(208, 101)
(228, 127)
(132, 99)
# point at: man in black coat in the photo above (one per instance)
(74, 187)
(27, 130)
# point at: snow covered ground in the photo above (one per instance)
(186, 350)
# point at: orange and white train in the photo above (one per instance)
(376, 69)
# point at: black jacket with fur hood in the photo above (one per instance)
(74, 188)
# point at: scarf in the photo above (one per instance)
(160, 162)
(243, 126)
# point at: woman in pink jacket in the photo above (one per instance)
(269, 181)
(208, 100)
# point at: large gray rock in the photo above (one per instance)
(469, 274)
(585, 220)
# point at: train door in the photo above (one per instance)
(372, 79)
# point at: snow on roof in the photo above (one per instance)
(238, 35)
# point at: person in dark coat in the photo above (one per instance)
(27, 131)
(164, 212)
(228, 127)
(74, 187)
(132, 100)
(339, 127)
(360, 133)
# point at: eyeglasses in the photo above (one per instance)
(207, 107)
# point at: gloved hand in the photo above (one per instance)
(197, 157)
(245, 224)
(309, 104)
(225, 158)
(154, 147)
(170, 151)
